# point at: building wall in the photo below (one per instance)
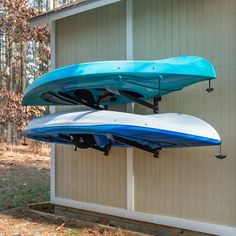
(87, 175)
(190, 183)
(186, 183)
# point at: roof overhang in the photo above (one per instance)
(69, 10)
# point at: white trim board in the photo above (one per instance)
(129, 108)
(52, 172)
(151, 218)
(53, 110)
(62, 13)
(129, 30)
(53, 45)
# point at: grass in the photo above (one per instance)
(23, 194)
(24, 177)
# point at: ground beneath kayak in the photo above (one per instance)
(24, 179)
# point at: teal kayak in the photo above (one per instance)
(116, 82)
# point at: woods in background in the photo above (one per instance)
(24, 56)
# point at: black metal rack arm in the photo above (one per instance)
(67, 101)
(80, 101)
(137, 100)
(154, 151)
(156, 104)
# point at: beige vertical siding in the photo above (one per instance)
(191, 183)
(87, 175)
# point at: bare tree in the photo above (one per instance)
(24, 55)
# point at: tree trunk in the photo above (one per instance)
(1, 60)
(8, 132)
(22, 68)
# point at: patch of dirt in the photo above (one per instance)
(24, 179)
(24, 176)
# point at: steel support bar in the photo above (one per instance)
(137, 100)
(155, 151)
(79, 101)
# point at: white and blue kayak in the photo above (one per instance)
(102, 130)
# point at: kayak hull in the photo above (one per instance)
(101, 82)
(170, 130)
